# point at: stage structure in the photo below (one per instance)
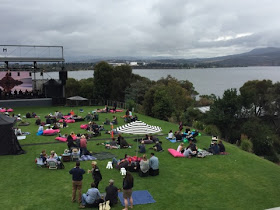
(22, 58)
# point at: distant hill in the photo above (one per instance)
(258, 57)
(269, 56)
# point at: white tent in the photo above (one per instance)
(138, 128)
(77, 99)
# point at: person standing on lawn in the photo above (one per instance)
(127, 190)
(96, 175)
(77, 177)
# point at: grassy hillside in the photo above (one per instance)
(239, 180)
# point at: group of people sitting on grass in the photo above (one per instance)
(92, 116)
(120, 143)
(94, 128)
(114, 121)
(157, 147)
(80, 143)
(53, 157)
(107, 109)
(181, 136)
(191, 150)
(128, 117)
(93, 198)
(142, 165)
(33, 115)
(216, 146)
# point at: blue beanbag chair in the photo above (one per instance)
(40, 133)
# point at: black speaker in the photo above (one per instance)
(63, 75)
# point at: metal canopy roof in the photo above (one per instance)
(30, 59)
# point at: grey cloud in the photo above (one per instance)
(177, 28)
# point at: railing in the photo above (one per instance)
(90, 102)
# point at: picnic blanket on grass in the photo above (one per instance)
(103, 155)
(21, 137)
(139, 197)
(87, 157)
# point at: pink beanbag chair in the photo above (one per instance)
(10, 110)
(67, 121)
(175, 153)
(117, 110)
(66, 116)
(50, 132)
(63, 139)
(85, 126)
(3, 110)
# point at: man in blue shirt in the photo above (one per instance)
(92, 196)
(142, 148)
(154, 170)
(77, 177)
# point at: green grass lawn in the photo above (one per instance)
(239, 180)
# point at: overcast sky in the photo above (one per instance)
(177, 28)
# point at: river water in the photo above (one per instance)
(205, 81)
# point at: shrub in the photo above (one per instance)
(246, 145)
(273, 157)
(130, 104)
(212, 130)
(198, 125)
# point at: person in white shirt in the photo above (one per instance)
(18, 132)
(170, 135)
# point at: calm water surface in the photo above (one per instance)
(205, 81)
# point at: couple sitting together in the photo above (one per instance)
(190, 151)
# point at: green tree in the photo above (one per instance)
(180, 96)
(72, 87)
(225, 113)
(103, 76)
(86, 89)
(162, 108)
(121, 80)
(137, 90)
(256, 97)
(261, 136)
(190, 115)
(148, 102)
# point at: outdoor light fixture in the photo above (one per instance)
(18, 74)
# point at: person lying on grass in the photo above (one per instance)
(112, 144)
(158, 147)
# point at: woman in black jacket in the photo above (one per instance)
(70, 143)
(127, 190)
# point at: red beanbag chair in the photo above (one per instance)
(50, 132)
(175, 153)
(10, 110)
(84, 126)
